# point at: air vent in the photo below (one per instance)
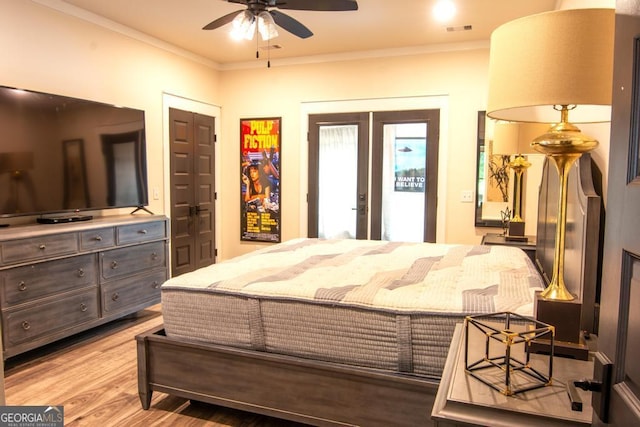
(460, 28)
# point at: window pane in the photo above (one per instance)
(404, 182)
(337, 177)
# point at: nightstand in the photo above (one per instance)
(463, 400)
(498, 239)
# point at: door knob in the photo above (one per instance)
(195, 210)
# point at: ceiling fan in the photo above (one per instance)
(258, 10)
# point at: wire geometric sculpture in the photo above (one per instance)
(509, 330)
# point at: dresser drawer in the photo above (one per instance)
(38, 320)
(22, 284)
(100, 238)
(14, 251)
(133, 291)
(144, 232)
(133, 259)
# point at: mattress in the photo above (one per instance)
(377, 304)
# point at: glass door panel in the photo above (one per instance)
(337, 181)
(404, 161)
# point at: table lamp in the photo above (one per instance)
(542, 68)
(16, 164)
(514, 139)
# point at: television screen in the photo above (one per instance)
(61, 154)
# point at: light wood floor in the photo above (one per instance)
(93, 375)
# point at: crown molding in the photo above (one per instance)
(71, 10)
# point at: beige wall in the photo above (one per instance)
(458, 77)
(51, 51)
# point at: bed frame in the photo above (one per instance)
(330, 394)
(296, 389)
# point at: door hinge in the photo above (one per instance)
(215, 195)
(215, 138)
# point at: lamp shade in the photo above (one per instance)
(17, 161)
(515, 138)
(554, 58)
(267, 26)
(243, 26)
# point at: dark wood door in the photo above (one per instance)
(325, 196)
(192, 147)
(426, 208)
(619, 332)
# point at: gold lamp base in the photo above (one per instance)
(563, 144)
(557, 290)
(517, 226)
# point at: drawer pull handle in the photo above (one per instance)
(154, 256)
(98, 238)
(155, 284)
(80, 272)
(143, 231)
(43, 247)
(83, 307)
(114, 264)
(26, 325)
(115, 296)
(22, 286)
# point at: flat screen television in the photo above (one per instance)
(65, 155)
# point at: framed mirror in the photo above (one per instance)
(489, 207)
(497, 145)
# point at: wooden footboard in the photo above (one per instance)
(302, 390)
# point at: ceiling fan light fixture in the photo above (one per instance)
(243, 26)
(266, 26)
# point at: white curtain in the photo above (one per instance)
(388, 182)
(337, 193)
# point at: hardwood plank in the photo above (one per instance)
(94, 376)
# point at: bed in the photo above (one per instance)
(338, 332)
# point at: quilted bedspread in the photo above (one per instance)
(397, 277)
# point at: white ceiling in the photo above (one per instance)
(376, 25)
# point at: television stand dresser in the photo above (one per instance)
(60, 279)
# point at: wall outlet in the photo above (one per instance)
(467, 196)
(156, 193)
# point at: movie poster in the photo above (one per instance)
(410, 155)
(260, 179)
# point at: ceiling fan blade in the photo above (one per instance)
(321, 5)
(221, 21)
(292, 25)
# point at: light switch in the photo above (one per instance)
(467, 196)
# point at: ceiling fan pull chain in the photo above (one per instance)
(257, 44)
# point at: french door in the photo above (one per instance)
(378, 184)
(192, 146)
